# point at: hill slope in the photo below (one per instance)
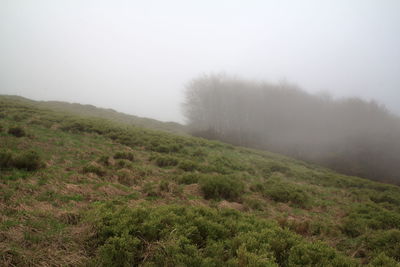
(110, 114)
(87, 191)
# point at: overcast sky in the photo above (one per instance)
(136, 56)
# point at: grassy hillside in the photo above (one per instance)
(110, 114)
(78, 191)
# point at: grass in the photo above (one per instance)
(109, 193)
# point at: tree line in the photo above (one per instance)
(349, 135)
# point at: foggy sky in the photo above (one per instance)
(137, 56)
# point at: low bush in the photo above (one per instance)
(197, 236)
(187, 165)
(142, 170)
(317, 254)
(104, 160)
(188, 178)
(199, 153)
(150, 189)
(387, 242)
(278, 167)
(221, 187)
(369, 216)
(164, 186)
(20, 117)
(386, 197)
(224, 165)
(6, 159)
(94, 168)
(165, 147)
(29, 161)
(124, 163)
(17, 131)
(266, 168)
(252, 203)
(125, 155)
(166, 161)
(125, 177)
(76, 125)
(383, 261)
(287, 193)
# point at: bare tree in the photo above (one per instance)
(349, 135)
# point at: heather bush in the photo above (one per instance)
(287, 193)
(6, 159)
(317, 254)
(198, 236)
(104, 160)
(385, 241)
(29, 161)
(164, 186)
(94, 168)
(369, 216)
(221, 187)
(123, 163)
(125, 177)
(187, 165)
(17, 131)
(125, 155)
(383, 261)
(188, 178)
(150, 189)
(166, 161)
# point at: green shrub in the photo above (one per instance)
(221, 187)
(125, 155)
(188, 178)
(254, 204)
(94, 168)
(385, 241)
(278, 167)
(386, 197)
(369, 216)
(150, 190)
(257, 187)
(142, 170)
(317, 254)
(199, 153)
(125, 177)
(197, 236)
(29, 161)
(286, 192)
(123, 163)
(6, 159)
(165, 148)
(224, 165)
(266, 168)
(166, 161)
(104, 160)
(75, 126)
(164, 186)
(20, 117)
(383, 261)
(187, 165)
(17, 131)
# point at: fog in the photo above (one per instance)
(137, 56)
(349, 135)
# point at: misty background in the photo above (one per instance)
(349, 135)
(137, 56)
